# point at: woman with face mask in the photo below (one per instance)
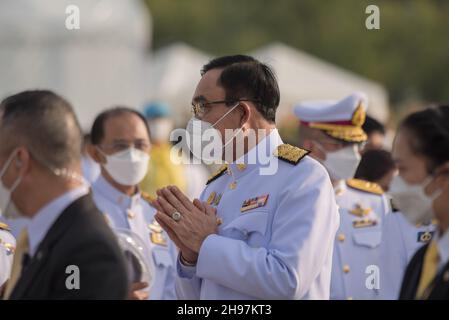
(421, 193)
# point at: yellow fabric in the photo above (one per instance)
(162, 171)
(21, 249)
(429, 270)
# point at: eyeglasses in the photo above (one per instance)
(119, 146)
(199, 108)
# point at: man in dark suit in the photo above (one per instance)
(66, 251)
(420, 282)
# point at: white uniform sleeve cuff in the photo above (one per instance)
(209, 254)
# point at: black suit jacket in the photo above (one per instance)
(413, 274)
(80, 237)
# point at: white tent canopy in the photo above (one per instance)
(95, 67)
(174, 73)
(304, 77)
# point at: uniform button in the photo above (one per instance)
(130, 214)
(346, 268)
(233, 185)
(341, 237)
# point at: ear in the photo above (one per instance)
(245, 110)
(95, 154)
(21, 163)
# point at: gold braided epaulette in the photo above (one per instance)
(365, 186)
(290, 154)
(217, 173)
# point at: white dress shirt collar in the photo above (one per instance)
(117, 197)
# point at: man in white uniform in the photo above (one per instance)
(332, 130)
(265, 224)
(121, 143)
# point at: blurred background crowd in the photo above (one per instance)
(148, 54)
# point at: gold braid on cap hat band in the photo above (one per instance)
(350, 133)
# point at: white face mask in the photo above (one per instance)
(205, 141)
(127, 167)
(343, 163)
(412, 201)
(7, 207)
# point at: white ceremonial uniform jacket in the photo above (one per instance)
(7, 247)
(277, 234)
(400, 241)
(356, 261)
(136, 214)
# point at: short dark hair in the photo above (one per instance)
(97, 132)
(245, 77)
(46, 124)
(372, 125)
(430, 130)
(374, 165)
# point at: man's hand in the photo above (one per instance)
(198, 221)
(136, 292)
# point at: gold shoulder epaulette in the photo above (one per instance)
(290, 154)
(147, 197)
(365, 186)
(4, 226)
(217, 173)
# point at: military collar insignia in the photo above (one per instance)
(365, 186)
(290, 154)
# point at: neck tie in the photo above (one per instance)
(429, 270)
(21, 251)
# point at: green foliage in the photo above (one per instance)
(409, 54)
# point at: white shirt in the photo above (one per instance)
(443, 248)
(39, 225)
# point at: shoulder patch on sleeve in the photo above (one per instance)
(4, 226)
(365, 186)
(290, 154)
(217, 173)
